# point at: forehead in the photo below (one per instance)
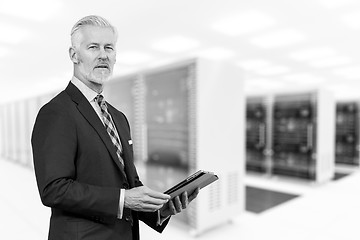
(100, 35)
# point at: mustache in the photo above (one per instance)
(103, 64)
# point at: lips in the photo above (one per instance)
(102, 66)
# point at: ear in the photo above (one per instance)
(73, 55)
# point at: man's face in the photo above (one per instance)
(96, 54)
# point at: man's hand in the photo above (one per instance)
(177, 204)
(144, 199)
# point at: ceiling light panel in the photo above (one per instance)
(175, 44)
(336, 3)
(273, 70)
(247, 22)
(279, 38)
(351, 72)
(352, 20)
(304, 79)
(216, 53)
(132, 58)
(330, 62)
(253, 64)
(256, 81)
(263, 84)
(121, 70)
(38, 10)
(12, 34)
(312, 53)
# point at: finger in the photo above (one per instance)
(150, 208)
(184, 200)
(177, 204)
(172, 208)
(154, 201)
(193, 195)
(158, 195)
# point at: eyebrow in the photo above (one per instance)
(97, 44)
(92, 43)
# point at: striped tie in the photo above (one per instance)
(110, 126)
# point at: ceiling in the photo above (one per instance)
(278, 44)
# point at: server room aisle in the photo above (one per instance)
(327, 211)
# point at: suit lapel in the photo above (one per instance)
(90, 115)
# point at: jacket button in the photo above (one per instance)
(127, 218)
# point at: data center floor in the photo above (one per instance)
(317, 211)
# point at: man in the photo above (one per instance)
(83, 153)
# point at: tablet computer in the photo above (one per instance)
(199, 179)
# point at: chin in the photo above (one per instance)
(99, 79)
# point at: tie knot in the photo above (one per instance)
(100, 100)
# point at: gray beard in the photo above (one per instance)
(98, 80)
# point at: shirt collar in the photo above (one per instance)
(85, 90)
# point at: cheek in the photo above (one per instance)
(86, 62)
(112, 58)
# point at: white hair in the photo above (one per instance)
(91, 20)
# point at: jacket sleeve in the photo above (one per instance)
(54, 145)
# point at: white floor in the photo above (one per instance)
(327, 211)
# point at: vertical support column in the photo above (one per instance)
(269, 152)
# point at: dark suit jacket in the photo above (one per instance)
(78, 173)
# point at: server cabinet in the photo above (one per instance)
(12, 132)
(5, 132)
(306, 127)
(256, 134)
(294, 134)
(191, 124)
(347, 133)
(22, 140)
(126, 94)
(300, 128)
(33, 107)
(120, 93)
(2, 131)
(167, 124)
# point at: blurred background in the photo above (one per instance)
(275, 83)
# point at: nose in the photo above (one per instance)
(103, 54)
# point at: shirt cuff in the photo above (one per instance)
(121, 203)
(161, 220)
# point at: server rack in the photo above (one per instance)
(17, 121)
(207, 133)
(125, 94)
(167, 127)
(347, 133)
(2, 131)
(301, 132)
(12, 132)
(256, 134)
(33, 106)
(294, 132)
(185, 119)
(22, 141)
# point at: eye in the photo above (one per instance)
(109, 48)
(93, 47)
